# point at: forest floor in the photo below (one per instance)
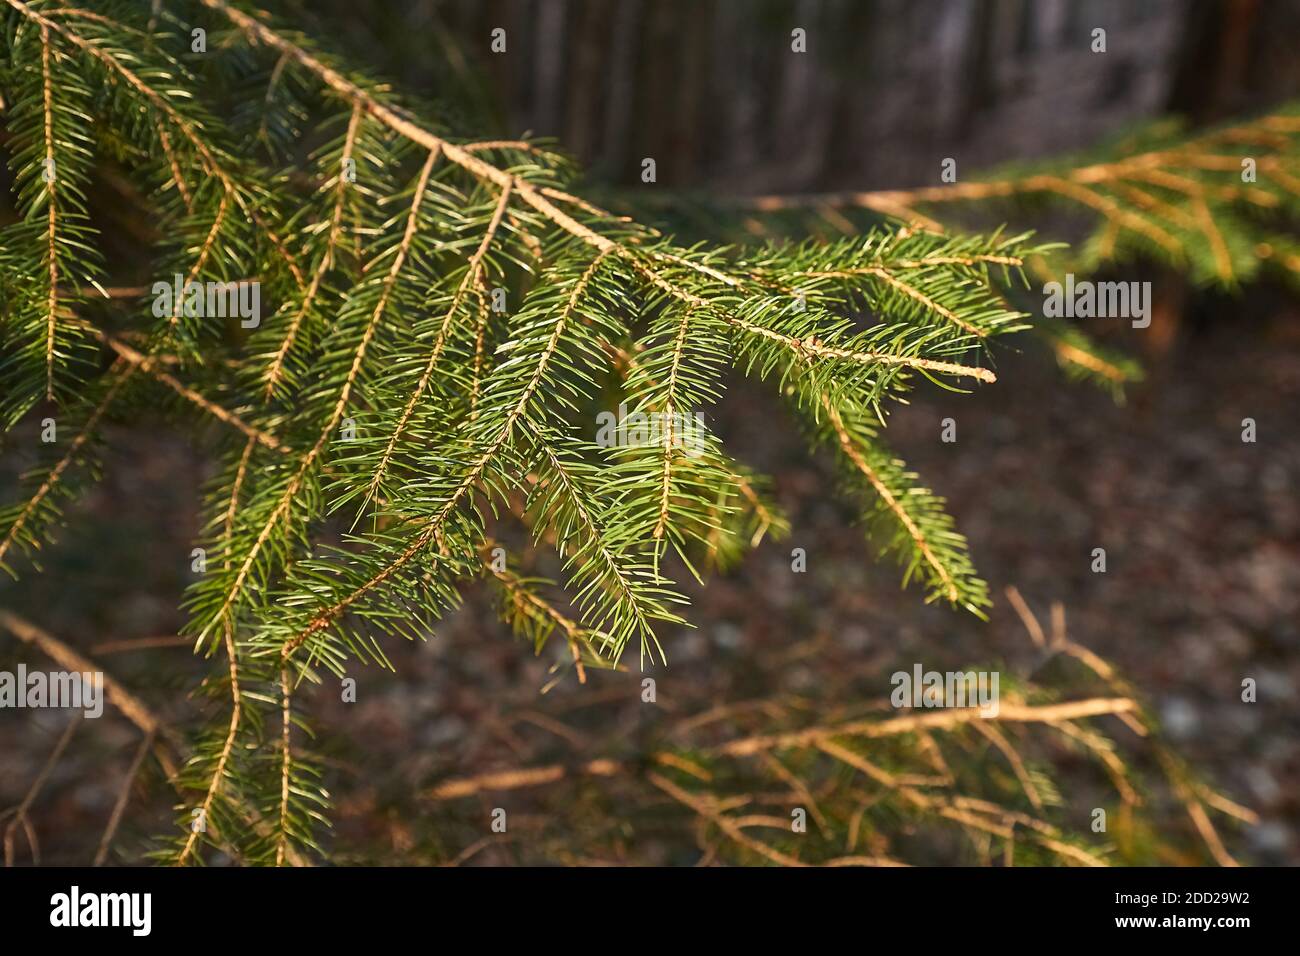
(1201, 590)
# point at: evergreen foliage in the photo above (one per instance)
(440, 332)
(1218, 207)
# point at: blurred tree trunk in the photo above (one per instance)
(888, 88)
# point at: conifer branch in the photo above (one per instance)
(398, 408)
(260, 33)
(811, 348)
(472, 278)
(286, 761)
(281, 509)
(17, 533)
(435, 524)
(148, 364)
(219, 771)
(847, 445)
(51, 204)
(161, 104)
(276, 369)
